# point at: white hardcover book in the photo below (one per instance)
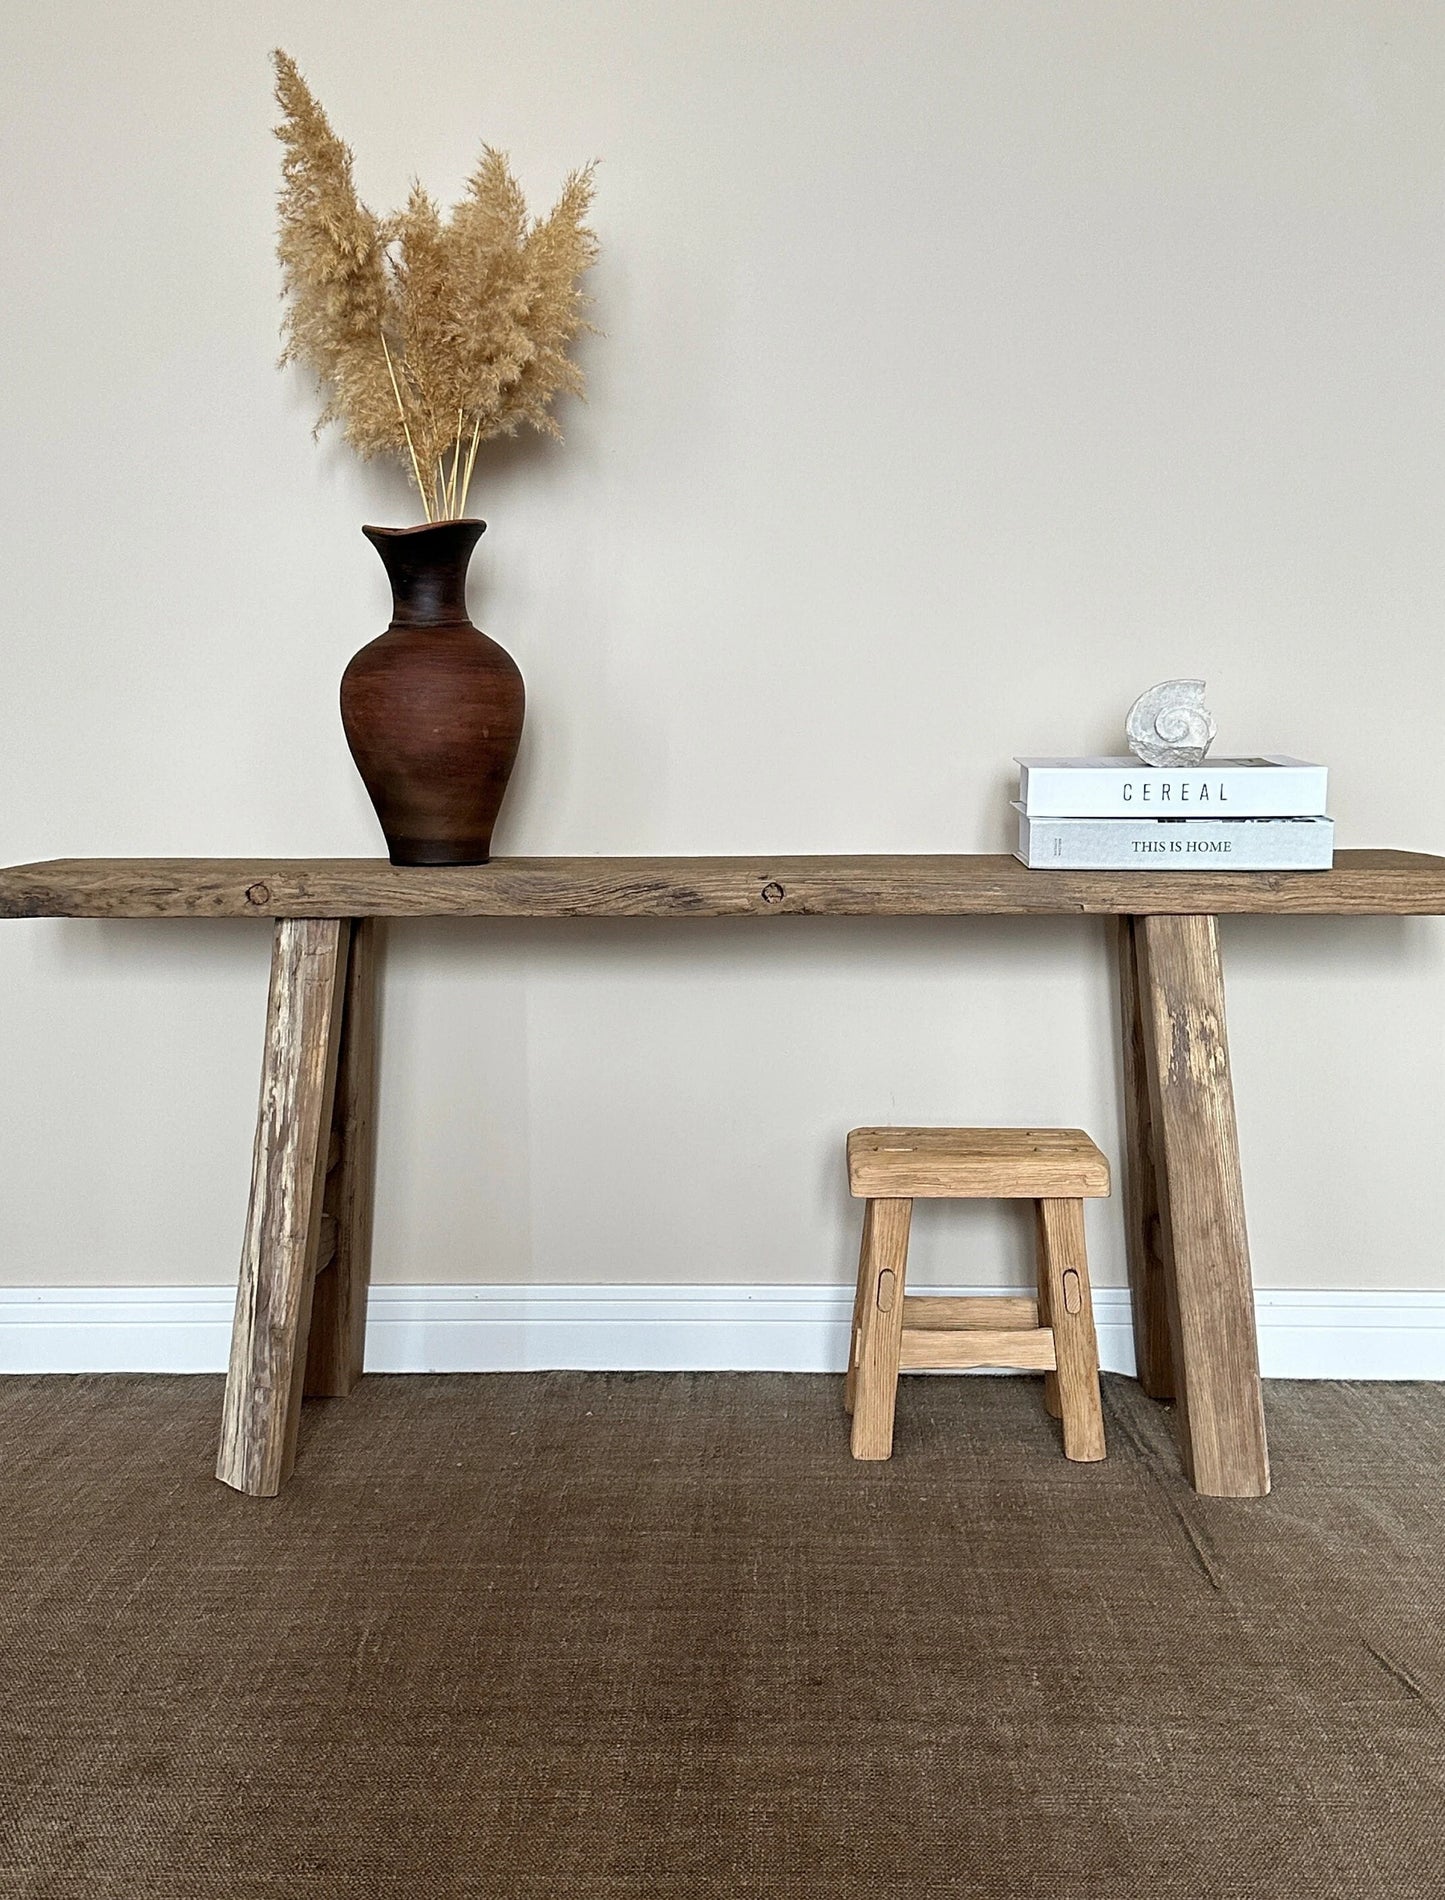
(1270, 787)
(1174, 844)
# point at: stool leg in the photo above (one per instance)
(855, 1336)
(883, 1270)
(1071, 1313)
(283, 1227)
(1051, 1379)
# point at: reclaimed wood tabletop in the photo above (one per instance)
(1361, 884)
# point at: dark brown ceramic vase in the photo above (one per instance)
(433, 708)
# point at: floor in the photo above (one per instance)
(655, 1635)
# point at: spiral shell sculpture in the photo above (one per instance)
(1170, 724)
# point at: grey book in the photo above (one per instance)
(1175, 844)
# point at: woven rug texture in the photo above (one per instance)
(636, 1636)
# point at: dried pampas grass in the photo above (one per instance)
(429, 334)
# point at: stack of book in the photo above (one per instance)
(1224, 815)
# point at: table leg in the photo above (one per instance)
(1150, 1281)
(337, 1345)
(283, 1227)
(1191, 1100)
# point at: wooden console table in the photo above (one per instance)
(301, 1298)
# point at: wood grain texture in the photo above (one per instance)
(928, 1349)
(336, 1346)
(1051, 1378)
(882, 1276)
(862, 1292)
(1191, 1098)
(974, 1163)
(1150, 1282)
(325, 1247)
(996, 1311)
(1362, 883)
(283, 1226)
(1071, 1314)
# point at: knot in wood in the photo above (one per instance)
(773, 893)
(258, 894)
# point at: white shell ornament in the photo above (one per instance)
(1170, 724)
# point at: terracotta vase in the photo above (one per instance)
(433, 708)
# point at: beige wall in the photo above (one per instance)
(968, 367)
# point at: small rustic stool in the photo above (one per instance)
(1057, 1169)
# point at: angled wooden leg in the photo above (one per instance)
(337, 1344)
(855, 1337)
(283, 1228)
(1149, 1278)
(1041, 1258)
(1205, 1244)
(881, 1328)
(1071, 1314)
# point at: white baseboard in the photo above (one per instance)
(1302, 1335)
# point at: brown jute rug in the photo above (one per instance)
(653, 1635)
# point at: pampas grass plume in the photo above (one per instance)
(428, 334)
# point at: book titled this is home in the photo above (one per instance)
(1173, 844)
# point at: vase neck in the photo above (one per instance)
(427, 568)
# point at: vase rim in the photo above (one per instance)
(427, 527)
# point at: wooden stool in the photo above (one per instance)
(1057, 1169)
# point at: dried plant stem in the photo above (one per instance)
(411, 446)
(471, 460)
(456, 470)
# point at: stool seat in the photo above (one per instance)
(993, 1164)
